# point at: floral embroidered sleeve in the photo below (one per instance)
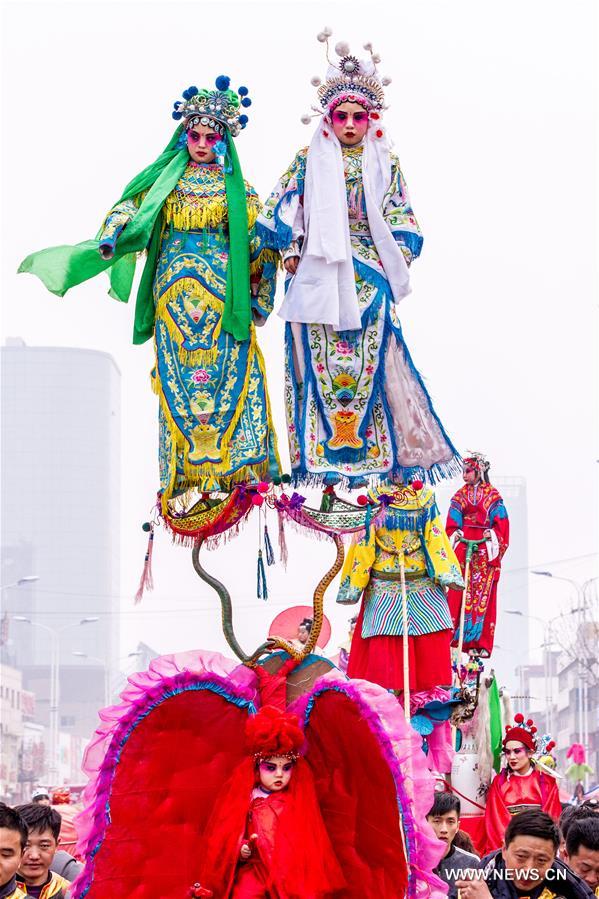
(263, 264)
(116, 220)
(440, 555)
(455, 522)
(356, 569)
(399, 215)
(281, 222)
(500, 526)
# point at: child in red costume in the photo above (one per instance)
(266, 838)
(520, 785)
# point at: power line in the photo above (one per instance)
(127, 596)
(166, 611)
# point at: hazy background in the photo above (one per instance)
(493, 113)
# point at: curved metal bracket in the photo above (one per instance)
(273, 642)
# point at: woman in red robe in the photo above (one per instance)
(520, 785)
(477, 512)
(266, 838)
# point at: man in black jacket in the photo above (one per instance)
(582, 850)
(526, 866)
(444, 818)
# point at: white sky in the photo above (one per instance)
(493, 112)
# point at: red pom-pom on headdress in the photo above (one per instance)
(522, 732)
(272, 732)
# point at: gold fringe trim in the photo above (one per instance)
(265, 256)
(186, 216)
(200, 356)
(225, 484)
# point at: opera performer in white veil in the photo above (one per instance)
(357, 408)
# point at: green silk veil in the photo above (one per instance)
(61, 268)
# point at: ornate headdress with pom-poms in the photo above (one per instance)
(349, 80)
(480, 463)
(272, 732)
(522, 731)
(220, 109)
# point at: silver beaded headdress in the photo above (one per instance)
(220, 109)
(349, 80)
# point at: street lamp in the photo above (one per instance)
(547, 661)
(582, 688)
(28, 579)
(54, 681)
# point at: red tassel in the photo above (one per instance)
(147, 581)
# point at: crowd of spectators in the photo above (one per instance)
(539, 858)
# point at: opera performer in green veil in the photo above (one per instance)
(206, 283)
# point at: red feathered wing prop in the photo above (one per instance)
(160, 760)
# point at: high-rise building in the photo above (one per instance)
(60, 496)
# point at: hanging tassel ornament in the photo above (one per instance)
(262, 589)
(283, 551)
(270, 555)
(147, 581)
(261, 586)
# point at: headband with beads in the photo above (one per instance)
(219, 109)
(349, 80)
(522, 732)
(480, 463)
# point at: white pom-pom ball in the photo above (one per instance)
(368, 46)
(376, 58)
(386, 80)
(342, 48)
(315, 80)
(328, 31)
(321, 36)
(306, 118)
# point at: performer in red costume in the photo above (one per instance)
(521, 784)
(266, 838)
(477, 513)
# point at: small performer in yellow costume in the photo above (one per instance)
(411, 536)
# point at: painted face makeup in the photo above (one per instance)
(275, 773)
(201, 141)
(350, 123)
(517, 756)
(470, 475)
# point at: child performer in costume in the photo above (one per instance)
(204, 284)
(410, 537)
(266, 838)
(341, 215)
(522, 784)
(477, 513)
